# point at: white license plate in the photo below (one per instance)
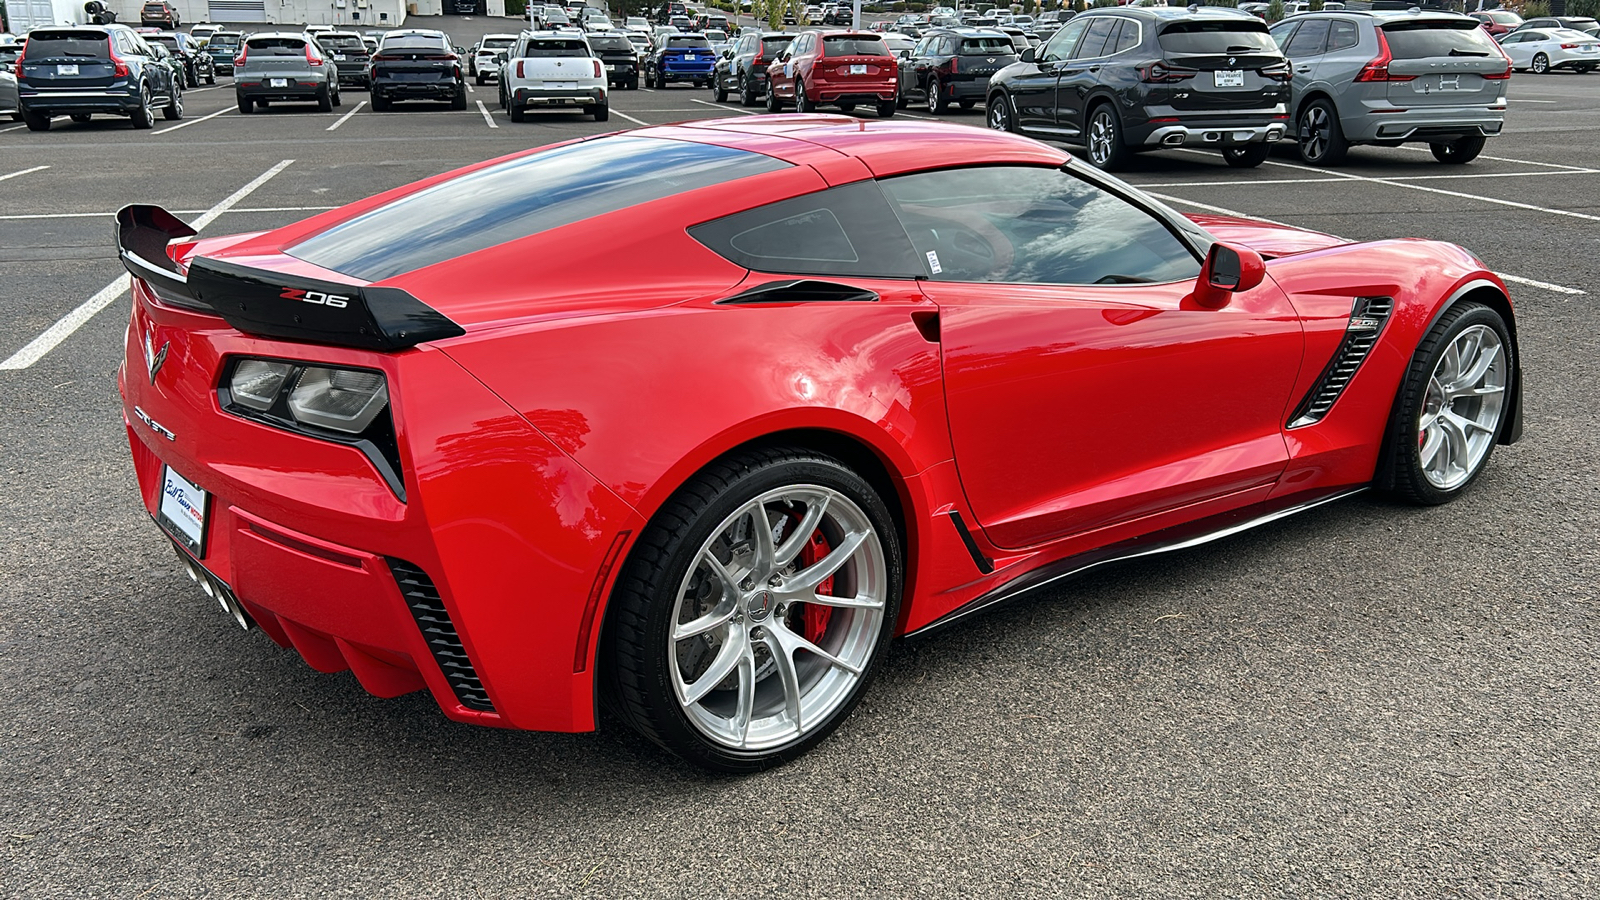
(611, 68)
(339, 57)
(689, 56)
(1587, 48)
(561, 85)
(66, 70)
(858, 70)
(183, 511)
(1229, 77)
(277, 82)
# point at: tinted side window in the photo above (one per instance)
(847, 230)
(1060, 46)
(1309, 40)
(1033, 225)
(1094, 40)
(1343, 36)
(1127, 38)
(1283, 33)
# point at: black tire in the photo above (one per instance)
(1401, 468)
(747, 94)
(380, 103)
(602, 112)
(1583, 70)
(338, 97)
(516, 113)
(1105, 144)
(324, 100)
(968, 103)
(459, 101)
(639, 672)
(245, 106)
(847, 107)
(774, 102)
(211, 77)
(1247, 156)
(1321, 137)
(633, 82)
(35, 121)
(144, 116)
(478, 78)
(173, 111)
(1458, 151)
(719, 91)
(1541, 64)
(999, 116)
(80, 118)
(886, 109)
(936, 99)
(802, 103)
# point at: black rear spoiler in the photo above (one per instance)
(272, 304)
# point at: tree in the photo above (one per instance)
(1275, 11)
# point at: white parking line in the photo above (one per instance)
(1224, 211)
(346, 117)
(189, 122)
(490, 119)
(72, 321)
(1525, 162)
(1240, 182)
(470, 90)
(630, 118)
(12, 128)
(24, 172)
(742, 112)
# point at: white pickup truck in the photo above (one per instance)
(553, 70)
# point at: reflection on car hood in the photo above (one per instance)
(1266, 238)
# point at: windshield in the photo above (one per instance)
(1231, 36)
(853, 45)
(1421, 40)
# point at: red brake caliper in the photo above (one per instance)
(816, 619)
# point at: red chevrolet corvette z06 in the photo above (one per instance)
(853, 380)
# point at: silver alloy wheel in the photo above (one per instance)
(744, 671)
(1541, 64)
(1462, 408)
(1102, 133)
(933, 95)
(998, 118)
(1314, 132)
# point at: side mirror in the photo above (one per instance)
(1228, 270)
(500, 57)
(905, 54)
(1028, 55)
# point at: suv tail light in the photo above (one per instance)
(243, 50)
(111, 50)
(1160, 72)
(1378, 68)
(1502, 76)
(519, 69)
(954, 64)
(1278, 71)
(598, 72)
(312, 58)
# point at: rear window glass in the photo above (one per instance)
(539, 49)
(1503, 18)
(56, 43)
(415, 42)
(223, 40)
(341, 42)
(618, 44)
(716, 37)
(1420, 40)
(773, 46)
(853, 45)
(520, 197)
(688, 43)
(278, 46)
(987, 45)
(1231, 36)
(497, 43)
(171, 43)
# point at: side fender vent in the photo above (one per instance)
(802, 291)
(1367, 318)
(427, 607)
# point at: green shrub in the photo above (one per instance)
(1590, 8)
(1275, 11)
(517, 9)
(1535, 8)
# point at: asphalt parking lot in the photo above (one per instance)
(1365, 701)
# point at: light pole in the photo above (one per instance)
(855, 17)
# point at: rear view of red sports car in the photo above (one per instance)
(695, 419)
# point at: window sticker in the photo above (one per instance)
(933, 262)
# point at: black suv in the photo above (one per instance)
(743, 67)
(106, 69)
(621, 60)
(953, 65)
(1121, 80)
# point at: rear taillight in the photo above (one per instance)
(111, 50)
(239, 60)
(1378, 68)
(19, 67)
(1159, 72)
(312, 58)
(597, 70)
(1502, 76)
(954, 66)
(1569, 46)
(1277, 72)
(519, 69)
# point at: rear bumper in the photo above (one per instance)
(113, 101)
(291, 93)
(1421, 124)
(430, 90)
(527, 96)
(686, 72)
(1214, 135)
(852, 93)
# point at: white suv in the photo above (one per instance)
(554, 70)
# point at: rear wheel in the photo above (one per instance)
(516, 113)
(35, 121)
(886, 108)
(774, 104)
(999, 117)
(478, 78)
(1541, 64)
(847, 107)
(459, 101)
(324, 100)
(380, 103)
(602, 112)
(245, 106)
(1458, 151)
(1105, 144)
(1322, 141)
(754, 610)
(967, 104)
(1246, 157)
(936, 100)
(1451, 407)
(144, 116)
(747, 93)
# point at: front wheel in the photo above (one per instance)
(1451, 407)
(1541, 64)
(999, 117)
(1247, 157)
(802, 103)
(719, 91)
(754, 610)
(1458, 151)
(774, 105)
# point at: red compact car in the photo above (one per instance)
(842, 68)
(772, 392)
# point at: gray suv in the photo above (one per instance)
(284, 66)
(1390, 78)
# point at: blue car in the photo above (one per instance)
(684, 57)
(108, 69)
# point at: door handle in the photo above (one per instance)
(1302, 68)
(1094, 68)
